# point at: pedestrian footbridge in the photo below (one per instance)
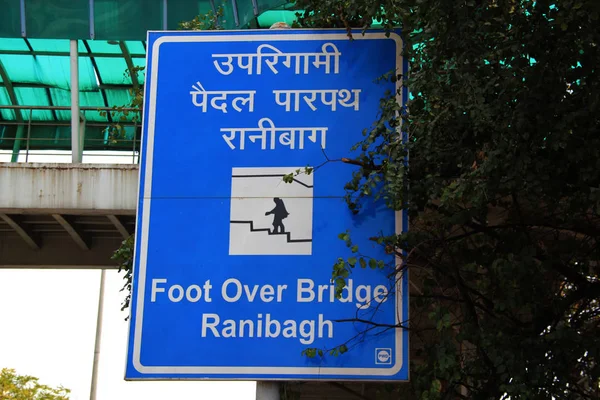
(65, 215)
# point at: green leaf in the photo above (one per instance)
(344, 236)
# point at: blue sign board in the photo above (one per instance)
(232, 274)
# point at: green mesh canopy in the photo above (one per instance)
(117, 19)
(35, 61)
(36, 72)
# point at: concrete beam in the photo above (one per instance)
(37, 188)
(119, 225)
(72, 231)
(58, 253)
(21, 231)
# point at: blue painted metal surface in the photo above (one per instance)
(233, 266)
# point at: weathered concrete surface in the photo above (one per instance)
(76, 189)
(65, 215)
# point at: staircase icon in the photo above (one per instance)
(288, 234)
(246, 239)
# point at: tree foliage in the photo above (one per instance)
(131, 112)
(502, 189)
(211, 21)
(124, 258)
(24, 387)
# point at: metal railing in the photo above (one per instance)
(24, 143)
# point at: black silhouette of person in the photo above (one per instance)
(279, 213)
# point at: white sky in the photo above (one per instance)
(48, 325)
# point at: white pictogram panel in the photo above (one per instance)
(269, 216)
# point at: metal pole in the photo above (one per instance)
(236, 16)
(28, 134)
(17, 143)
(133, 150)
(65, 108)
(82, 123)
(23, 18)
(94, 386)
(267, 390)
(75, 145)
(92, 20)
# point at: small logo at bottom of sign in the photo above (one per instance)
(383, 356)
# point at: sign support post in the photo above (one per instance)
(267, 390)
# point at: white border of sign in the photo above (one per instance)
(143, 248)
